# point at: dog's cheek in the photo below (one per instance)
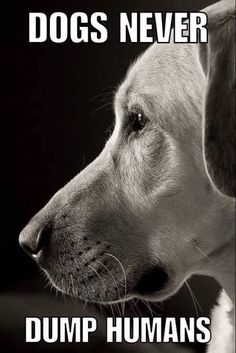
(142, 166)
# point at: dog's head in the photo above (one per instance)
(134, 222)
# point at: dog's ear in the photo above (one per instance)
(217, 58)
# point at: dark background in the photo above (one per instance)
(55, 113)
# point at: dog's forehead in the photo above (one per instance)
(140, 78)
(160, 77)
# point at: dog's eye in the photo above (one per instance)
(137, 121)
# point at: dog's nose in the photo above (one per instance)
(34, 237)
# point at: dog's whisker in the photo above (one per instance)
(85, 304)
(109, 97)
(125, 279)
(151, 307)
(102, 310)
(159, 307)
(104, 284)
(134, 302)
(72, 285)
(135, 306)
(132, 307)
(119, 307)
(146, 304)
(194, 299)
(115, 282)
(197, 247)
(189, 242)
(110, 243)
(108, 93)
(112, 310)
(105, 105)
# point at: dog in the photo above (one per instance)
(157, 205)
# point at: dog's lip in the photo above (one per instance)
(140, 288)
(128, 297)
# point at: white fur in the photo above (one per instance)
(222, 329)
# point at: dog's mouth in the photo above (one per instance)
(100, 278)
(151, 284)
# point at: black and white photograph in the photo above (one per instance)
(118, 176)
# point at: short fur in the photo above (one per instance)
(153, 199)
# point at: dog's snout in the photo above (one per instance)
(34, 237)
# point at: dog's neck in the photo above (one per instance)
(224, 269)
(220, 263)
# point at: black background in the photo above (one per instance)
(55, 113)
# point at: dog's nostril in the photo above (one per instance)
(43, 238)
(28, 249)
(33, 238)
